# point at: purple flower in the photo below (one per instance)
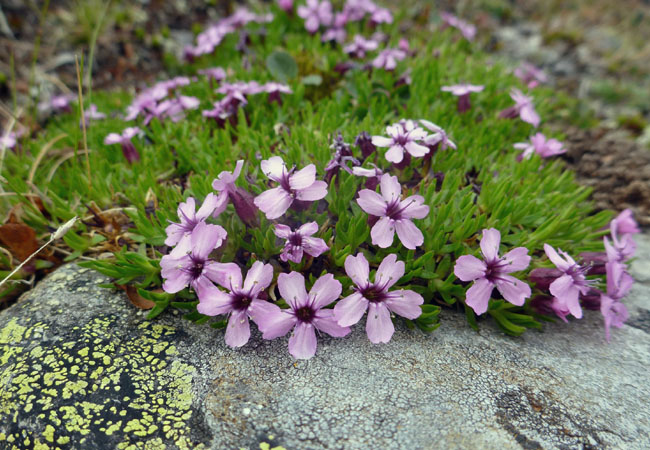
(241, 302)
(316, 13)
(93, 114)
(439, 138)
(300, 241)
(359, 46)
(387, 58)
(342, 154)
(181, 268)
(620, 249)
(128, 149)
(305, 315)
(404, 137)
(214, 73)
(364, 142)
(523, 108)
(286, 5)
(190, 218)
(568, 287)
(530, 75)
(356, 10)
(7, 140)
(142, 103)
(467, 29)
(619, 283)
(540, 145)
(241, 199)
(381, 15)
(394, 214)
(275, 89)
(376, 298)
(57, 103)
(300, 185)
(462, 91)
(373, 175)
(625, 223)
(334, 34)
(493, 271)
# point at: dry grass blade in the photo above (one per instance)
(41, 155)
(83, 122)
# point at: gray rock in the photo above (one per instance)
(80, 368)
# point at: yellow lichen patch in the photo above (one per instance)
(106, 384)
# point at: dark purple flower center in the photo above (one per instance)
(395, 209)
(494, 269)
(241, 301)
(305, 314)
(402, 139)
(295, 240)
(373, 294)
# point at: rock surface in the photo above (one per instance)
(80, 368)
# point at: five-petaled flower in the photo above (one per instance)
(540, 145)
(403, 137)
(376, 298)
(619, 283)
(493, 272)
(300, 185)
(300, 241)
(462, 91)
(394, 214)
(316, 13)
(241, 302)
(305, 315)
(573, 282)
(128, 149)
(242, 200)
(190, 265)
(523, 108)
(179, 233)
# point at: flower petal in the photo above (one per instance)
(238, 330)
(282, 231)
(273, 202)
(358, 269)
(303, 178)
(302, 343)
(556, 259)
(273, 322)
(469, 268)
(416, 149)
(312, 193)
(205, 238)
(409, 234)
(258, 278)
(314, 246)
(209, 205)
(371, 202)
(324, 321)
(490, 244)
(292, 289)
(390, 188)
(478, 296)
(213, 301)
(308, 229)
(565, 290)
(389, 272)
(513, 290)
(517, 259)
(350, 310)
(412, 207)
(379, 326)
(383, 232)
(324, 291)
(405, 303)
(227, 275)
(274, 168)
(395, 154)
(381, 141)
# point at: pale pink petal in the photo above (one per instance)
(302, 343)
(303, 178)
(187, 209)
(565, 290)
(205, 238)
(469, 268)
(176, 283)
(308, 229)
(413, 208)
(174, 233)
(324, 321)
(312, 193)
(381, 141)
(292, 289)
(490, 244)
(282, 231)
(379, 326)
(390, 188)
(405, 303)
(258, 278)
(350, 310)
(238, 330)
(325, 290)
(556, 259)
(389, 272)
(409, 234)
(273, 168)
(371, 202)
(513, 290)
(358, 269)
(272, 323)
(383, 232)
(517, 259)
(274, 202)
(113, 138)
(213, 301)
(395, 154)
(227, 275)
(314, 246)
(478, 296)
(528, 114)
(415, 149)
(208, 206)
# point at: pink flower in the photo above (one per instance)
(523, 108)
(214, 73)
(300, 241)
(619, 283)
(403, 137)
(373, 175)
(275, 89)
(359, 46)
(376, 298)
(356, 10)
(467, 29)
(7, 140)
(305, 315)
(394, 214)
(300, 185)
(342, 155)
(493, 272)
(462, 91)
(181, 268)
(316, 13)
(530, 75)
(568, 287)
(241, 302)
(241, 199)
(286, 5)
(438, 139)
(381, 15)
(625, 223)
(128, 149)
(540, 145)
(620, 249)
(93, 114)
(190, 218)
(387, 58)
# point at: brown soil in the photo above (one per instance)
(618, 171)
